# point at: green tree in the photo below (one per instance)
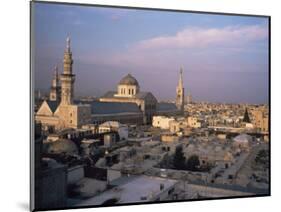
(179, 159)
(192, 163)
(167, 162)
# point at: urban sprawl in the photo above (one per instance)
(128, 147)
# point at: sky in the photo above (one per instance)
(224, 58)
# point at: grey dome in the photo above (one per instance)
(62, 146)
(128, 80)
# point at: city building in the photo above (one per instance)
(162, 122)
(193, 122)
(114, 126)
(62, 112)
(128, 90)
(149, 189)
(50, 189)
(260, 119)
(127, 105)
(177, 125)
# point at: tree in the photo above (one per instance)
(192, 163)
(179, 159)
(246, 117)
(262, 157)
(167, 162)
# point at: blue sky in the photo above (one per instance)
(225, 58)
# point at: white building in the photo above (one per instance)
(162, 122)
(193, 122)
(242, 141)
(114, 126)
(138, 189)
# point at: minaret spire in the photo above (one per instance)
(180, 79)
(67, 78)
(67, 44)
(55, 88)
(180, 92)
(56, 75)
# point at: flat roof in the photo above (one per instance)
(132, 190)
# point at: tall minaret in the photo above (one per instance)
(67, 77)
(180, 93)
(55, 93)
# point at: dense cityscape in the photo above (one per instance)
(128, 147)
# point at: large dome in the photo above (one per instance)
(129, 80)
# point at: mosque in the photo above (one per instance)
(128, 104)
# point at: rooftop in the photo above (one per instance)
(133, 190)
(128, 80)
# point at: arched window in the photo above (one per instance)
(129, 91)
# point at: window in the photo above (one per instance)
(129, 91)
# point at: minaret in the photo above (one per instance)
(67, 77)
(55, 93)
(180, 93)
(189, 98)
(246, 117)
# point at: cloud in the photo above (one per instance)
(194, 37)
(197, 48)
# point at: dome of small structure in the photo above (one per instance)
(62, 146)
(129, 80)
(242, 141)
(242, 138)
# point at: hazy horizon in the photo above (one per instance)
(225, 58)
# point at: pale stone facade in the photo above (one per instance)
(162, 122)
(260, 120)
(73, 116)
(46, 116)
(193, 122)
(177, 126)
